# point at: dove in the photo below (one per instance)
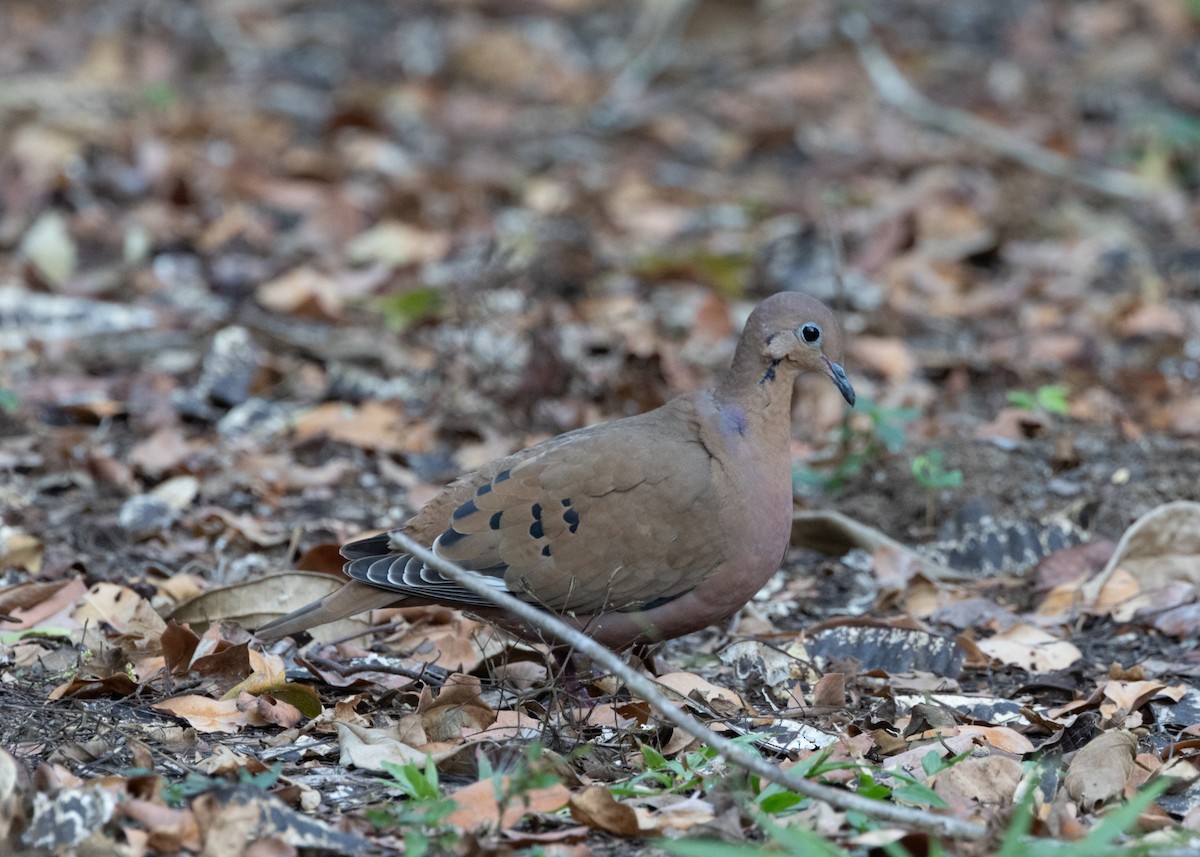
(634, 531)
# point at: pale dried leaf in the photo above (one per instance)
(1099, 770)
(210, 715)
(255, 602)
(1030, 648)
(979, 787)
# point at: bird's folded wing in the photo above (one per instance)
(592, 521)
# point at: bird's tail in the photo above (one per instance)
(352, 598)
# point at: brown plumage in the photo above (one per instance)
(636, 530)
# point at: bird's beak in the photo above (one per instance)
(838, 375)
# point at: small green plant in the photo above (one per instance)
(931, 474)
(930, 471)
(515, 782)
(160, 95)
(176, 794)
(1051, 398)
(794, 841)
(421, 814)
(887, 433)
(8, 401)
(404, 309)
(1098, 842)
(669, 776)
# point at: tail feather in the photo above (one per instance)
(370, 546)
(352, 598)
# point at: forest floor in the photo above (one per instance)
(272, 272)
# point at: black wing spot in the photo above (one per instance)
(665, 599)
(467, 508)
(451, 537)
(494, 522)
(483, 489)
(501, 476)
(566, 502)
(537, 511)
(536, 530)
(571, 516)
(545, 550)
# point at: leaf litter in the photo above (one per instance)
(261, 291)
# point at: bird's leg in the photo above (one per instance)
(647, 655)
(569, 666)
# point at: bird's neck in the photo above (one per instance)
(755, 399)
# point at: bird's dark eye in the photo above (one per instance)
(811, 333)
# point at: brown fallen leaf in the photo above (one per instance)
(20, 550)
(210, 715)
(23, 596)
(403, 743)
(302, 291)
(478, 807)
(1123, 698)
(661, 813)
(170, 830)
(888, 356)
(35, 605)
(691, 686)
(457, 708)
(374, 425)
(979, 788)
(163, 451)
(114, 686)
(257, 601)
(271, 709)
(596, 807)
(1099, 770)
(259, 531)
(443, 637)
(830, 690)
(121, 609)
(1030, 648)
(1161, 546)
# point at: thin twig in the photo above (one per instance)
(939, 825)
(431, 675)
(895, 90)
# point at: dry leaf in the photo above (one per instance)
(1099, 770)
(1030, 648)
(396, 244)
(401, 744)
(456, 709)
(979, 788)
(690, 685)
(122, 609)
(32, 601)
(378, 426)
(20, 550)
(210, 715)
(1161, 546)
(163, 451)
(302, 291)
(444, 637)
(478, 807)
(596, 807)
(49, 247)
(257, 601)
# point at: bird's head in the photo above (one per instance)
(799, 330)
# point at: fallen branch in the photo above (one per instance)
(939, 825)
(895, 90)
